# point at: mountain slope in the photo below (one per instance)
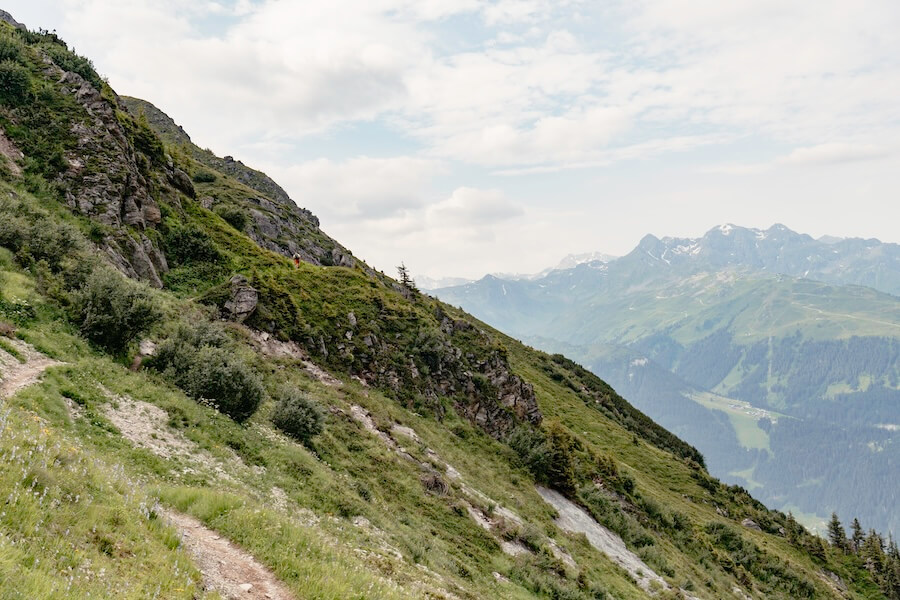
(423, 472)
(720, 315)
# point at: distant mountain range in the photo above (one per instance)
(569, 262)
(776, 354)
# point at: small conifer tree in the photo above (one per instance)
(836, 534)
(858, 537)
(406, 279)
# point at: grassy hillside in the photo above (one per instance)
(358, 439)
(685, 344)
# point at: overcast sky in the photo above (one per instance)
(468, 136)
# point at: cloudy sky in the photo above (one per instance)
(474, 136)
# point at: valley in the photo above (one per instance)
(731, 323)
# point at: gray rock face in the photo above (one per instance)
(112, 190)
(277, 222)
(243, 301)
(8, 18)
(751, 524)
(342, 259)
(182, 181)
(147, 261)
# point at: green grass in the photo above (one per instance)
(75, 525)
(743, 416)
(12, 350)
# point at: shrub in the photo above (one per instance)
(530, 444)
(17, 312)
(147, 142)
(547, 454)
(190, 245)
(178, 353)
(226, 381)
(198, 359)
(10, 48)
(233, 215)
(561, 467)
(297, 415)
(204, 177)
(49, 241)
(112, 310)
(14, 83)
(34, 236)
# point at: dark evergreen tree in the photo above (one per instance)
(836, 534)
(406, 279)
(858, 537)
(872, 554)
(792, 529)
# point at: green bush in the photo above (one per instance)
(112, 310)
(561, 468)
(233, 215)
(297, 415)
(34, 236)
(14, 83)
(225, 381)
(185, 245)
(531, 446)
(199, 359)
(177, 354)
(548, 454)
(204, 177)
(17, 312)
(10, 48)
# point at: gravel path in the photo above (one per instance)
(17, 375)
(226, 569)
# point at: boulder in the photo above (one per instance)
(751, 524)
(244, 298)
(183, 182)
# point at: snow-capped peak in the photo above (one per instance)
(573, 260)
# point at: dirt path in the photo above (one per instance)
(226, 569)
(17, 375)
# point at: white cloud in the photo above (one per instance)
(581, 99)
(835, 153)
(368, 189)
(826, 154)
(473, 208)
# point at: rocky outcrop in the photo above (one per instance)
(106, 180)
(751, 524)
(182, 181)
(8, 18)
(137, 257)
(10, 155)
(277, 222)
(103, 180)
(462, 364)
(243, 301)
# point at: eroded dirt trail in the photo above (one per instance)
(226, 569)
(15, 375)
